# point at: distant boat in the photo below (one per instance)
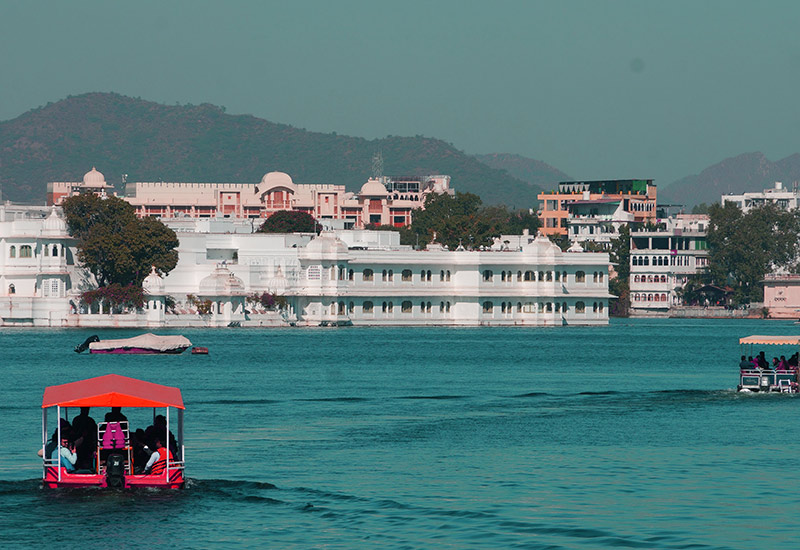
(785, 379)
(142, 344)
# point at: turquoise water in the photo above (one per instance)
(626, 436)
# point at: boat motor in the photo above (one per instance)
(115, 471)
(83, 347)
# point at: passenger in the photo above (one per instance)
(775, 363)
(67, 455)
(762, 361)
(754, 361)
(141, 452)
(793, 360)
(158, 461)
(744, 364)
(159, 429)
(85, 429)
(52, 443)
(116, 415)
(782, 364)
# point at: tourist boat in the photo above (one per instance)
(113, 460)
(142, 344)
(768, 380)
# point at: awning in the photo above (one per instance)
(112, 390)
(771, 340)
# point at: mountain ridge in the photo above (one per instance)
(150, 141)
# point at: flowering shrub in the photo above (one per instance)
(267, 300)
(115, 296)
(203, 306)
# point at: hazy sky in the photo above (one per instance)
(598, 89)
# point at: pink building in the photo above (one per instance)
(384, 201)
(782, 296)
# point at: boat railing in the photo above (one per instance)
(768, 379)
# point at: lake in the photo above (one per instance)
(630, 435)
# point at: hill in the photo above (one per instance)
(201, 143)
(745, 172)
(534, 172)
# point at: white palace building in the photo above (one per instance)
(343, 277)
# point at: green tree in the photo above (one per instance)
(114, 244)
(290, 221)
(620, 256)
(742, 248)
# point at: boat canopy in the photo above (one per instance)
(771, 340)
(144, 341)
(112, 390)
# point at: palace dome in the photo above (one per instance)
(325, 243)
(94, 178)
(221, 282)
(54, 224)
(373, 188)
(153, 283)
(277, 179)
(542, 246)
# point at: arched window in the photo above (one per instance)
(447, 278)
(657, 298)
(649, 297)
(635, 278)
(447, 307)
(341, 308)
(25, 251)
(422, 276)
(428, 274)
(649, 278)
(564, 307)
(549, 276)
(503, 308)
(663, 297)
(367, 307)
(46, 251)
(519, 276)
(601, 276)
(441, 275)
(367, 275)
(351, 308)
(391, 275)
(580, 277)
(406, 306)
(441, 307)
(350, 275)
(601, 307)
(558, 307)
(564, 276)
(502, 276)
(406, 275)
(488, 307)
(530, 276)
(558, 276)
(594, 277)
(646, 260)
(384, 276)
(428, 307)
(342, 272)
(55, 251)
(12, 252)
(391, 307)
(12, 289)
(580, 307)
(519, 307)
(488, 275)
(594, 307)
(663, 278)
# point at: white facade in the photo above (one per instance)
(597, 220)
(778, 195)
(355, 277)
(663, 261)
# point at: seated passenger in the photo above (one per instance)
(159, 429)
(775, 363)
(67, 455)
(782, 364)
(116, 415)
(744, 364)
(141, 452)
(754, 361)
(158, 461)
(85, 429)
(762, 361)
(793, 360)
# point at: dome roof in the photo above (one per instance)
(326, 243)
(153, 283)
(54, 224)
(373, 188)
(94, 178)
(277, 179)
(542, 246)
(221, 282)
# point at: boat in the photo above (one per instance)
(783, 380)
(142, 344)
(113, 457)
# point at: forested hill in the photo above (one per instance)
(201, 143)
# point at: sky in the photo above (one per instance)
(597, 89)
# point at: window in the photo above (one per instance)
(601, 276)
(350, 275)
(447, 307)
(594, 307)
(503, 277)
(406, 306)
(341, 308)
(428, 276)
(488, 275)
(580, 277)
(342, 272)
(25, 251)
(383, 276)
(12, 289)
(12, 252)
(367, 275)
(428, 307)
(391, 275)
(441, 275)
(488, 307)
(447, 278)
(406, 275)
(594, 277)
(601, 307)
(367, 307)
(549, 276)
(530, 276)
(580, 307)
(391, 307)
(55, 287)
(383, 307)
(55, 251)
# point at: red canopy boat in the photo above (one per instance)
(113, 460)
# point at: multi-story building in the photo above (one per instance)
(596, 221)
(637, 197)
(383, 201)
(343, 277)
(662, 261)
(777, 195)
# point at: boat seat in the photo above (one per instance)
(785, 386)
(113, 436)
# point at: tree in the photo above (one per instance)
(620, 256)
(744, 247)
(290, 221)
(114, 244)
